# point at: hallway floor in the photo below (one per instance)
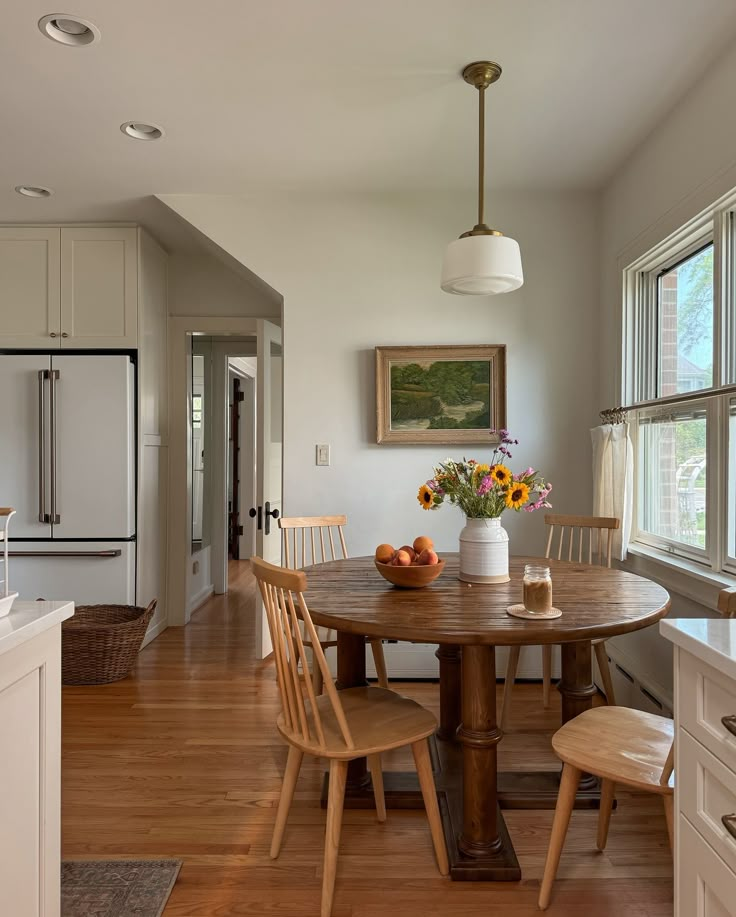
(183, 760)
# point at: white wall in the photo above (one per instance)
(686, 163)
(200, 285)
(361, 270)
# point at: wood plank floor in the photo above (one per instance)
(183, 760)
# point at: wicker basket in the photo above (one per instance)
(101, 642)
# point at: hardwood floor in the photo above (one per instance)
(183, 760)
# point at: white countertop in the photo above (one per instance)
(29, 619)
(711, 639)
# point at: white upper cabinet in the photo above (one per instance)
(99, 288)
(68, 288)
(30, 294)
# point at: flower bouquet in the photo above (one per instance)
(483, 491)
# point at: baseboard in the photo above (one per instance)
(200, 598)
(154, 631)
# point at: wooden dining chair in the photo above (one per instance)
(621, 746)
(593, 536)
(311, 540)
(337, 725)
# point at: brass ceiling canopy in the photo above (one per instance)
(482, 73)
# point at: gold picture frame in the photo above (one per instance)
(446, 394)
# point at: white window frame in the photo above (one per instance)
(640, 332)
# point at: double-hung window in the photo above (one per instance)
(679, 375)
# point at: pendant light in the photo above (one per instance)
(482, 261)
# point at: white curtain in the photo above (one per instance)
(613, 480)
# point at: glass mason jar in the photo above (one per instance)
(537, 588)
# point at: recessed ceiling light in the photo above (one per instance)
(139, 130)
(33, 191)
(68, 30)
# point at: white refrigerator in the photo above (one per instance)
(67, 466)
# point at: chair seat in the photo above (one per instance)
(378, 719)
(620, 744)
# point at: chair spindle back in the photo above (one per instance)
(313, 540)
(581, 529)
(279, 589)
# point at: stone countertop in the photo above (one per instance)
(711, 639)
(29, 619)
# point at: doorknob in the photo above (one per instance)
(252, 512)
(270, 514)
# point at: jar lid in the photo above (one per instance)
(536, 570)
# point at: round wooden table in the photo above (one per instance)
(468, 622)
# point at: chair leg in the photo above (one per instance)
(293, 764)
(546, 674)
(338, 776)
(374, 763)
(429, 793)
(602, 657)
(608, 788)
(669, 813)
(380, 660)
(565, 802)
(508, 685)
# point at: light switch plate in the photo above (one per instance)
(323, 454)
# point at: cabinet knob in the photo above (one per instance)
(64, 334)
(53, 334)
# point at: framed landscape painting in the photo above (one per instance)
(447, 394)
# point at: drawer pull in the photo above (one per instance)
(729, 823)
(730, 723)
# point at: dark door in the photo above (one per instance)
(235, 529)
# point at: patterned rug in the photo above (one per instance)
(117, 888)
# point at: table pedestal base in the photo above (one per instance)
(402, 792)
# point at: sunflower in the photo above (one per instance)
(501, 474)
(426, 497)
(481, 470)
(517, 495)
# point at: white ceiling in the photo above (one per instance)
(335, 94)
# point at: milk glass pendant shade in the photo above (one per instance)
(482, 261)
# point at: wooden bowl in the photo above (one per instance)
(410, 577)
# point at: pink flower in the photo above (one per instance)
(485, 485)
(524, 474)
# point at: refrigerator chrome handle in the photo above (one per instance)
(43, 516)
(55, 518)
(113, 552)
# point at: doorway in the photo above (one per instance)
(233, 474)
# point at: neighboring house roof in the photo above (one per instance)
(686, 367)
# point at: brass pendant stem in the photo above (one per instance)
(480, 75)
(481, 151)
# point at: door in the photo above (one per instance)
(30, 312)
(99, 288)
(269, 452)
(234, 526)
(85, 572)
(24, 444)
(94, 411)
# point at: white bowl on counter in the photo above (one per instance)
(6, 603)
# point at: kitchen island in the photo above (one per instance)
(30, 726)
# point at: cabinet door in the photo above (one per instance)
(20, 772)
(30, 313)
(704, 885)
(99, 295)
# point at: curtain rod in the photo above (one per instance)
(677, 399)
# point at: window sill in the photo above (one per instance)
(676, 574)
